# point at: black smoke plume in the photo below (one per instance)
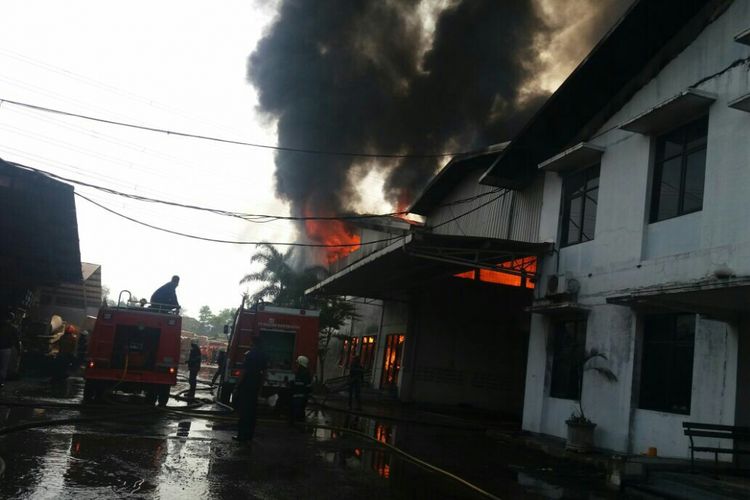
(368, 76)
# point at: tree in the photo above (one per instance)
(282, 284)
(218, 321)
(205, 316)
(274, 274)
(334, 312)
(285, 286)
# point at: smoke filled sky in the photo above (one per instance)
(395, 76)
(408, 77)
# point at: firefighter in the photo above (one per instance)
(301, 388)
(194, 366)
(66, 353)
(245, 395)
(165, 297)
(221, 361)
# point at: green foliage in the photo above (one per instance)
(211, 324)
(205, 315)
(583, 366)
(284, 286)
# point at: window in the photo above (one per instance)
(679, 169)
(568, 350)
(667, 363)
(580, 195)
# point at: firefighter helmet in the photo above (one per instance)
(303, 361)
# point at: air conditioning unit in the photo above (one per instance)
(562, 284)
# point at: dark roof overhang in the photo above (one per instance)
(721, 298)
(455, 170)
(40, 230)
(421, 258)
(645, 39)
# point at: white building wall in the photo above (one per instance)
(628, 252)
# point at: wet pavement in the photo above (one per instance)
(173, 455)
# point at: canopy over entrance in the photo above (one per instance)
(418, 259)
(710, 296)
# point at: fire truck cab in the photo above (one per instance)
(286, 333)
(135, 347)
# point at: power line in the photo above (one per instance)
(259, 218)
(234, 141)
(216, 240)
(307, 245)
(217, 211)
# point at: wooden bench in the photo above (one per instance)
(695, 429)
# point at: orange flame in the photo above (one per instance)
(332, 232)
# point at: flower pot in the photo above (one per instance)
(580, 436)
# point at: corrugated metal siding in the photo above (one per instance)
(514, 215)
(527, 212)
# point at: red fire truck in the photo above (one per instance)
(134, 347)
(286, 333)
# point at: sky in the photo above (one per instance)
(177, 65)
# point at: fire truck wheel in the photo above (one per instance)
(89, 390)
(163, 392)
(226, 393)
(151, 396)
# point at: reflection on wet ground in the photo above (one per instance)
(180, 456)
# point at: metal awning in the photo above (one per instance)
(558, 308)
(742, 103)
(683, 107)
(743, 37)
(419, 259)
(710, 296)
(581, 155)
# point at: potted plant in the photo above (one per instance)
(580, 428)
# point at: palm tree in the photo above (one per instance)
(282, 284)
(275, 273)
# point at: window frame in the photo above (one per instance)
(684, 154)
(589, 173)
(557, 389)
(666, 362)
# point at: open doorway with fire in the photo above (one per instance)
(391, 361)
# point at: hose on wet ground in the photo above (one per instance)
(226, 416)
(360, 413)
(411, 458)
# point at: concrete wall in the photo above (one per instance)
(628, 252)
